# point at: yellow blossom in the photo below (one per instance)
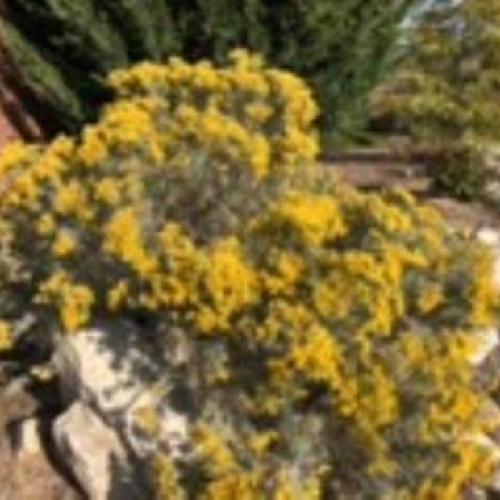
(213, 448)
(93, 149)
(13, 155)
(64, 245)
(71, 199)
(46, 225)
(108, 191)
(315, 217)
(123, 239)
(6, 341)
(430, 299)
(117, 296)
(74, 301)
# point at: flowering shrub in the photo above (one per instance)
(322, 336)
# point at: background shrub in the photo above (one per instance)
(446, 90)
(342, 47)
(324, 335)
(461, 171)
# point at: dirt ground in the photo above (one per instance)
(28, 476)
(379, 175)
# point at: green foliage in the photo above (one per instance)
(46, 80)
(342, 47)
(79, 31)
(321, 338)
(447, 90)
(460, 171)
(141, 24)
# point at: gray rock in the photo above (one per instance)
(491, 237)
(170, 430)
(114, 371)
(108, 368)
(27, 439)
(488, 342)
(94, 455)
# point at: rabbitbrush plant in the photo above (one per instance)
(326, 334)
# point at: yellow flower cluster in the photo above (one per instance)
(230, 285)
(123, 239)
(64, 245)
(211, 98)
(215, 450)
(166, 477)
(5, 336)
(74, 301)
(316, 217)
(15, 154)
(309, 314)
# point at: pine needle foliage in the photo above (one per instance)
(45, 79)
(341, 47)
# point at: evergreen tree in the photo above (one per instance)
(45, 80)
(340, 46)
